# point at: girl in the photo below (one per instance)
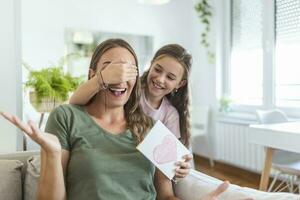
(164, 92)
(94, 146)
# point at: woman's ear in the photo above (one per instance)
(91, 73)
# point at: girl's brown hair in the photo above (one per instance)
(179, 99)
(137, 122)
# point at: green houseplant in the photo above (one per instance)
(50, 87)
(225, 104)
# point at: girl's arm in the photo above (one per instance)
(163, 187)
(85, 91)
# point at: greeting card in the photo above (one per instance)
(163, 149)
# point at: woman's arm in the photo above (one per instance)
(51, 183)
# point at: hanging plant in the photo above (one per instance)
(204, 11)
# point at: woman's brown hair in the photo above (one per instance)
(180, 98)
(137, 122)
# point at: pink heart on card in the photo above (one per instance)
(166, 151)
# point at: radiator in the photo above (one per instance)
(232, 147)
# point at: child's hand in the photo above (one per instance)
(119, 72)
(183, 168)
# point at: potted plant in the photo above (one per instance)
(225, 104)
(50, 87)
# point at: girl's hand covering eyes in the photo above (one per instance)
(119, 72)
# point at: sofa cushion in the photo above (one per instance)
(197, 184)
(32, 177)
(10, 179)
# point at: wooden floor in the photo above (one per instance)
(223, 171)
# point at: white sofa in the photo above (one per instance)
(19, 173)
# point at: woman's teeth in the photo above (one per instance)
(117, 91)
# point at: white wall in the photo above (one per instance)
(44, 23)
(204, 77)
(10, 72)
(203, 72)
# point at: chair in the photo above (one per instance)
(200, 139)
(286, 164)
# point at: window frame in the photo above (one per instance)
(269, 47)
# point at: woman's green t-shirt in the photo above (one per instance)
(101, 165)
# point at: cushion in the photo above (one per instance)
(32, 177)
(197, 184)
(10, 179)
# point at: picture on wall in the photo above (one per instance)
(81, 43)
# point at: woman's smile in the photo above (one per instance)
(117, 91)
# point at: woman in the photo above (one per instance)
(89, 151)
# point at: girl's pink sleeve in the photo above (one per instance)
(172, 122)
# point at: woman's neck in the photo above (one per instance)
(99, 111)
(155, 102)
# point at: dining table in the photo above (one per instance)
(282, 136)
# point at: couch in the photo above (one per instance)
(19, 173)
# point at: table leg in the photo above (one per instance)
(264, 180)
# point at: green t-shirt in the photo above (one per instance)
(101, 165)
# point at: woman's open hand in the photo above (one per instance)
(48, 142)
(217, 192)
(214, 194)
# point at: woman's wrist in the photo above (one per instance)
(53, 155)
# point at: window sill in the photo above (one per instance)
(244, 118)
(239, 118)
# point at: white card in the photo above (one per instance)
(163, 149)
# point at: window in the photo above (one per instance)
(246, 69)
(264, 65)
(287, 64)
